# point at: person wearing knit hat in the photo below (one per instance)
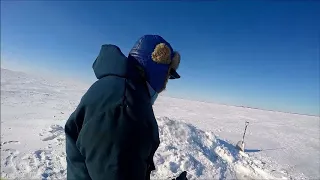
(113, 133)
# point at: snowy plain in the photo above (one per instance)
(195, 136)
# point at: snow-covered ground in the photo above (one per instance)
(196, 137)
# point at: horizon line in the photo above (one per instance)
(190, 99)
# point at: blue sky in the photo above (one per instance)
(262, 54)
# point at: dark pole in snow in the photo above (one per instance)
(240, 144)
(245, 129)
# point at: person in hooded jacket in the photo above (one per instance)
(113, 133)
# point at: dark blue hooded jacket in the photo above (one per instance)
(113, 133)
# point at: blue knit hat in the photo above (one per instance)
(158, 59)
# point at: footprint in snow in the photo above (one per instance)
(55, 132)
(10, 142)
(12, 156)
(174, 167)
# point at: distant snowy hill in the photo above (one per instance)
(196, 137)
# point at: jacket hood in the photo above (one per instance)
(110, 61)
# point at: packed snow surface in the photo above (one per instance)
(195, 136)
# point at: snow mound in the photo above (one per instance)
(203, 155)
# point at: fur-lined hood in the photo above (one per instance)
(158, 59)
